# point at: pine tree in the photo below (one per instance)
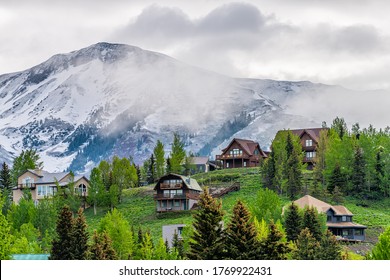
(151, 173)
(289, 145)
(294, 175)
(207, 241)
(337, 195)
(139, 177)
(108, 250)
(101, 248)
(160, 159)
(273, 247)
(5, 235)
(358, 175)
(80, 237)
(63, 244)
(6, 188)
(330, 247)
(178, 244)
(293, 222)
(241, 236)
(337, 178)
(268, 172)
(312, 223)
(169, 167)
(307, 246)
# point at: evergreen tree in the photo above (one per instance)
(160, 252)
(177, 155)
(208, 237)
(294, 175)
(28, 159)
(101, 248)
(147, 247)
(80, 237)
(159, 155)
(379, 175)
(330, 247)
(268, 172)
(289, 145)
(337, 195)
(178, 244)
(337, 178)
(63, 244)
(312, 222)
(169, 167)
(358, 175)
(6, 188)
(274, 247)
(293, 222)
(151, 175)
(307, 246)
(241, 236)
(139, 177)
(320, 166)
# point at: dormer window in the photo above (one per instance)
(309, 143)
(236, 152)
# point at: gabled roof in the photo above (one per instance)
(48, 177)
(191, 183)
(321, 206)
(344, 225)
(314, 133)
(248, 146)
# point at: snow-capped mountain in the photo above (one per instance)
(106, 99)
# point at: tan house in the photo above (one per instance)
(241, 153)
(176, 193)
(44, 184)
(339, 218)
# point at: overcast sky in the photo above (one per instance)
(344, 42)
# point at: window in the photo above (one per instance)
(28, 182)
(177, 203)
(310, 154)
(257, 152)
(244, 163)
(309, 143)
(359, 232)
(179, 230)
(81, 190)
(45, 191)
(227, 165)
(344, 218)
(163, 203)
(236, 152)
(166, 193)
(329, 218)
(179, 192)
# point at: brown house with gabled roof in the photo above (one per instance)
(309, 138)
(241, 153)
(339, 218)
(176, 193)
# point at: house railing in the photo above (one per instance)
(27, 186)
(170, 186)
(221, 157)
(160, 196)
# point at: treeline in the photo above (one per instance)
(352, 162)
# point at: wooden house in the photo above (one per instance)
(241, 153)
(175, 192)
(339, 219)
(309, 138)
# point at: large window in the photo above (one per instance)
(309, 143)
(172, 193)
(28, 182)
(45, 190)
(172, 183)
(311, 154)
(358, 232)
(81, 190)
(235, 152)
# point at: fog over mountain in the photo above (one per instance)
(112, 99)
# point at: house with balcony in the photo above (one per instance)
(175, 192)
(339, 219)
(241, 153)
(309, 138)
(43, 184)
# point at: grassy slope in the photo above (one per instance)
(139, 208)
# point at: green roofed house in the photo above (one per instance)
(176, 193)
(339, 218)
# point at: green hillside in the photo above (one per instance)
(138, 205)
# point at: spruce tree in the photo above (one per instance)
(268, 172)
(5, 235)
(241, 235)
(178, 244)
(358, 175)
(337, 178)
(6, 188)
(307, 246)
(293, 222)
(151, 173)
(139, 177)
(101, 248)
(337, 195)
(80, 237)
(207, 242)
(311, 221)
(294, 175)
(330, 247)
(273, 247)
(63, 244)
